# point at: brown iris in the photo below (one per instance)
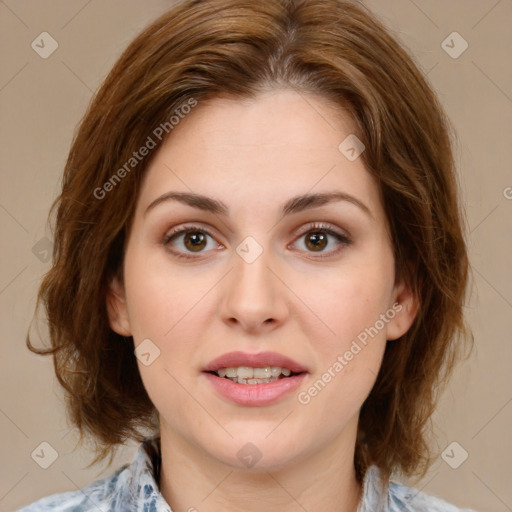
(316, 240)
(196, 239)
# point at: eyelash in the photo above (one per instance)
(325, 228)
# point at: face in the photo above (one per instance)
(307, 285)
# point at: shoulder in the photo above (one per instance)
(132, 487)
(408, 499)
(99, 495)
(396, 497)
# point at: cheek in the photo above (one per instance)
(160, 296)
(167, 306)
(349, 353)
(351, 300)
(160, 304)
(349, 360)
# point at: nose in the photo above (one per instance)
(254, 297)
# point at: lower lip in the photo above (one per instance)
(255, 394)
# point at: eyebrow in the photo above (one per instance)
(294, 205)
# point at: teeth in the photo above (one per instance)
(245, 372)
(276, 371)
(230, 372)
(253, 375)
(253, 381)
(262, 373)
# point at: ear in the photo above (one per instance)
(405, 305)
(116, 308)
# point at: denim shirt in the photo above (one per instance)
(134, 488)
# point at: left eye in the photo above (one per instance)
(317, 239)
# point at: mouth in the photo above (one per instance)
(254, 379)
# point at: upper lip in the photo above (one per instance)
(257, 360)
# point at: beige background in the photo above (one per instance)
(42, 100)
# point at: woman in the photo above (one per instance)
(259, 265)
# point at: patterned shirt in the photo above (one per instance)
(134, 488)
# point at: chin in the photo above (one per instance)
(255, 450)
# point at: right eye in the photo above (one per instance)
(189, 240)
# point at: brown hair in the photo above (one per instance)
(203, 49)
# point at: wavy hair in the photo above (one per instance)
(207, 48)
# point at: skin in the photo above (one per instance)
(254, 155)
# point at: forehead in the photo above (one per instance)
(260, 151)
(276, 116)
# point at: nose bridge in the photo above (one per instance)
(253, 296)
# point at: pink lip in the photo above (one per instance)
(259, 360)
(254, 394)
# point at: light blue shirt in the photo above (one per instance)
(134, 488)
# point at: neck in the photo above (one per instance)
(192, 480)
